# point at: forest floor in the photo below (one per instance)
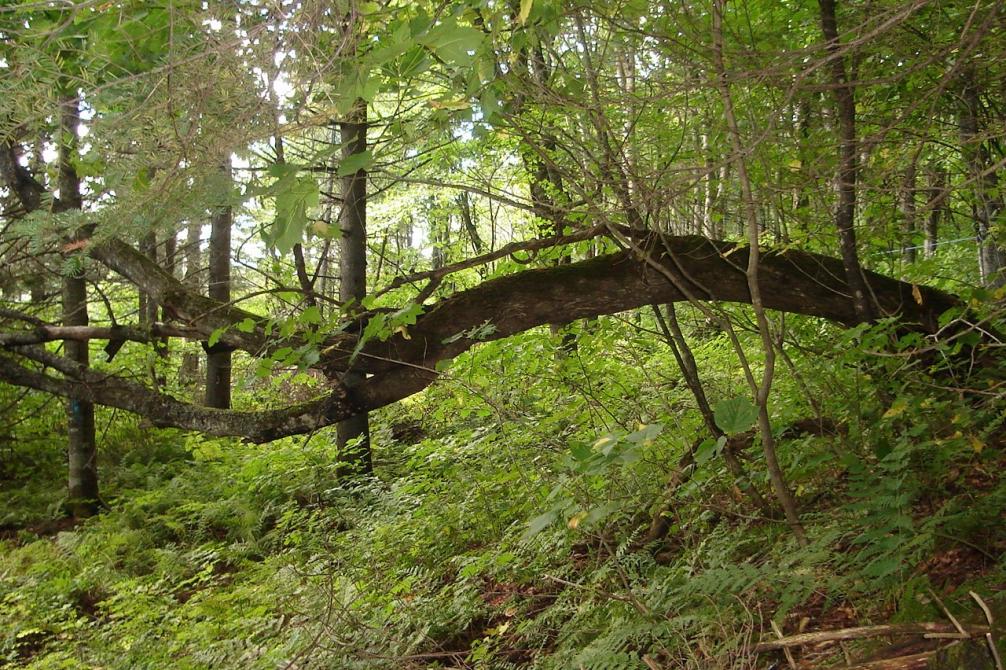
(503, 530)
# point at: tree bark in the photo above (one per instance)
(848, 166)
(82, 493)
(936, 205)
(353, 434)
(188, 373)
(468, 220)
(218, 358)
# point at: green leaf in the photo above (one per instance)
(452, 42)
(310, 316)
(246, 326)
(538, 524)
(215, 336)
(646, 433)
(355, 163)
(735, 415)
(709, 449)
(295, 195)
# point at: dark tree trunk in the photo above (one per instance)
(792, 281)
(218, 359)
(848, 167)
(353, 434)
(936, 204)
(82, 493)
(468, 219)
(675, 339)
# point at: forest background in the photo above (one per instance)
(501, 334)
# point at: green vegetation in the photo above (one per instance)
(502, 335)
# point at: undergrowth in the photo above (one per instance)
(504, 527)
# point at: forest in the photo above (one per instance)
(503, 334)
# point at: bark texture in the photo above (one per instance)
(218, 358)
(353, 434)
(82, 455)
(848, 164)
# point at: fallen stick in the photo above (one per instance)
(862, 632)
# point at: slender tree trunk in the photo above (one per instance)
(83, 499)
(171, 265)
(937, 199)
(218, 358)
(848, 167)
(353, 434)
(675, 339)
(909, 225)
(468, 219)
(987, 203)
(189, 372)
(761, 390)
(147, 307)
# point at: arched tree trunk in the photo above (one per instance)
(353, 434)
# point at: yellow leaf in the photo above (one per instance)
(976, 444)
(575, 520)
(603, 442)
(404, 332)
(896, 409)
(916, 293)
(525, 10)
(510, 611)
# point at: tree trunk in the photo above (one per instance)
(147, 307)
(353, 434)
(170, 265)
(189, 372)
(909, 250)
(218, 358)
(675, 339)
(468, 219)
(936, 204)
(848, 167)
(987, 202)
(82, 493)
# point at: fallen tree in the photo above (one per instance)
(654, 269)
